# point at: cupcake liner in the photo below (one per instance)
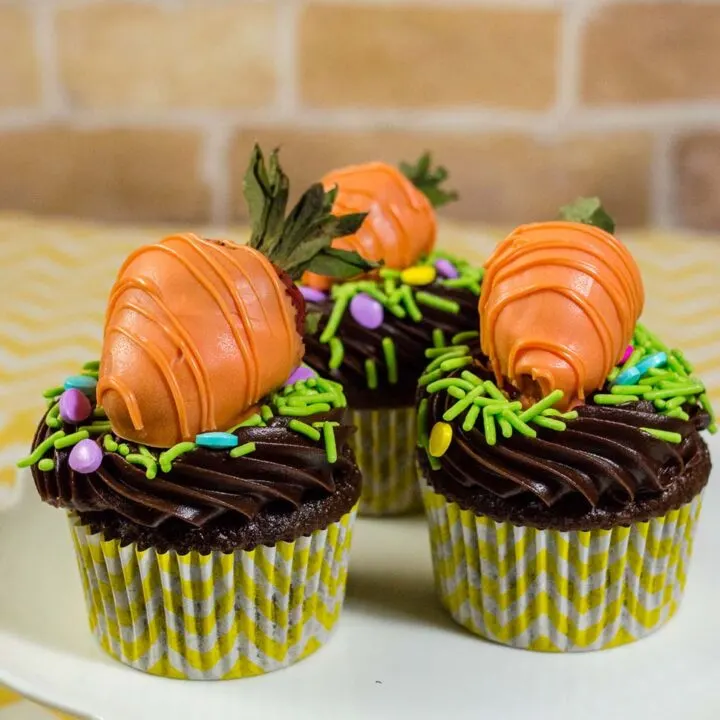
(559, 591)
(385, 446)
(215, 616)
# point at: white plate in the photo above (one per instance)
(395, 653)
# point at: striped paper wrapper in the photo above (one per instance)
(385, 446)
(559, 591)
(215, 616)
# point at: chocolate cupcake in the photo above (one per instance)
(561, 457)
(207, 475)
(370, 334)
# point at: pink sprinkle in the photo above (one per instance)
(626, 355)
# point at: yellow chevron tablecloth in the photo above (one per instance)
(55, 277)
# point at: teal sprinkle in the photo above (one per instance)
(337, 353)
(304, 429)
(462, 337)
(242, 450)
(438, 338)
(371, 374)
(388, 346)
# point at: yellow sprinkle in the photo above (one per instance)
(418, 275)
(440, 439)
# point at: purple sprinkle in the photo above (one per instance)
(626, 355)
(85, 457)
(446, 268)
(367, 311)
(300, 373)
(74, 406)
(311, 294)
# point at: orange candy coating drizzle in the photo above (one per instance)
(196, 332)
(558, 307)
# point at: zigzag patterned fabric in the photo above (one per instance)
(559, 591)
(215, 616)
(385, 447)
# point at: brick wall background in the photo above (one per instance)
(146, 110)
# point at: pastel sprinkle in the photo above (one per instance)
(446, 269)
(81, 382)
(74, 406)
(366, 311)
(311, 294)
(242, 450)
(216, 440)
(418, 275)
(86, 457)
(628, 377)
(626, 355)
(653, 361)
(300, 373)
(440, 439)
(46, 465)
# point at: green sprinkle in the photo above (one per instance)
(656, 379)
(704, 401)
(497, 407)
(614, 399)
(675, 402)
(471, 418)
(462, 337)
(677, 413)
(123, 449)
(493, 391)
(410, 304)
(544, 404)
(91, 373)
(505, 427)
(447, 355)
(337, 353)
(144, 451)
(151, 467)
(304, 429)
(389, 273)
(244, 449)
(671, 437)
(549, 423)
(472, 378)
(388, 346)
(435, 464)
(253, 421)
(46, 465)
(97, 428)
(572, 415)
(675, 365)
(613, 374)
(313, 409)
(438, 338)
(456, 392)
(659, 404)
(397, 311)
(330, 445)
(489, 427)
(371, 374)
(53, 392)
(634, 358)
(693, 389)
(335, 318)
(455, 363)
(93, 365)
(71, 439)
(422, 434)
(266, 413)
(446, 383)
(437, 303)
(390, 286)
(683, 361)
(41, 449)
(52, 418)
(167, 458)
(429, 377)
(437, 352)
(99, 412)
(109, 444)
(314, 397)
(484, 402)
(628, 389)
(522, 427)
(462, 405)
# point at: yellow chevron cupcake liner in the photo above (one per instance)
(385, 448)
(215, 616)
(559, 591)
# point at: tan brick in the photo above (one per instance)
(19, 74)
(696, 172)
(652, 52)
(109, 174)
(423, 57)
(220, 55)
(501, 178)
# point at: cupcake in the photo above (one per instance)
(560, 455)
(370, 334)
(207, 474)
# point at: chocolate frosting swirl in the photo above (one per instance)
(601, 464)
(411, 340)
(205, 486)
